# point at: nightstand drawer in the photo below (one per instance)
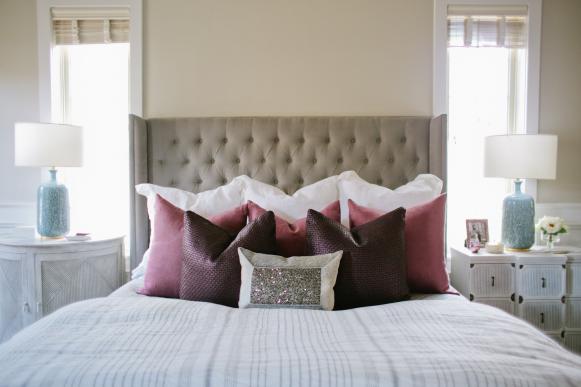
(574, 279)
(574, 313)
(572, 341)
(492, 280)
(545, 315)
(541, 281)
(504, 304)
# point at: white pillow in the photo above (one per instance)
(316, 196)
(423, 188)
(206, 204)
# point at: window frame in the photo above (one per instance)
(533, 65)
(45, 45)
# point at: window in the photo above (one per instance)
(487, 57)
(90, 87)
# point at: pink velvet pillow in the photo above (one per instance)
(424, 241)
(162, 277)
(291, 238)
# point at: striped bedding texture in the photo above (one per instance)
(132, 340)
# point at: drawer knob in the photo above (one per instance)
(542, 318)
(492, 281)
(543, 282)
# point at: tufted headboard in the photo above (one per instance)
(198, 154)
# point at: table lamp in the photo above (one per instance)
(49, 145)
(520, 156)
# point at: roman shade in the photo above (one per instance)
(90, 25)
(487, 26)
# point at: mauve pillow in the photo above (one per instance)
(372, 269)
(162, 277)
(291, 238)
(211, 268)
(424, 235)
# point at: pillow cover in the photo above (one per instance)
(423, 188)
(163, 273)
(424, 237)
(372, 269)
(295, 282)
(207, 204)
(291, 237)
(211, 266)
(291, 207)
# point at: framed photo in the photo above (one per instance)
(476, 231)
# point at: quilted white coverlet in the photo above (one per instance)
(140, 341)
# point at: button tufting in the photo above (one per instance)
(160, 162)
(237, 161)
(353, 140)
(274, 181)
(250, 140)
(225, 140)
(199, 141)
(224, 181)
(328, 140)
(314, 161)
(302, 140)
(263, 160)
(403, 140)
(390, 160)
(378, 140)
(379, 181)
(275, 140)
(175, 141)
(300, 181)
(289, 160)
(339, 160)
(211, 161)
(365, 161)
(186, 162)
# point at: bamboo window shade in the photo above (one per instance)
(487, 26)
(90, 25)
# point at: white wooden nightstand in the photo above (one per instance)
(39, 276)
(541, 288)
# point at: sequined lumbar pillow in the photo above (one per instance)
(295, 282)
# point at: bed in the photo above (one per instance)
(134, 340)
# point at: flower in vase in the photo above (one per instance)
(552, 225)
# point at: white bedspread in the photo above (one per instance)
(141, 341)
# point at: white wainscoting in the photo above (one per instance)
(571, 212)
(17, 214)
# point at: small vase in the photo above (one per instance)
(551, 239)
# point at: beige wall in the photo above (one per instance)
(560, 104)
(301, 57)
(18, 97)
(279, 57)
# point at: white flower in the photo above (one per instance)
(552, 225)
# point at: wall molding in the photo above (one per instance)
(16, 214)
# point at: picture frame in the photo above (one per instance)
(476, 232)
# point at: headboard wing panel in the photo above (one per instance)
(198, 154)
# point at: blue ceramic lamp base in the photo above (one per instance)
(52, 219)
(518, 220)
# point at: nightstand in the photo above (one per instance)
(541, 288)
(39, 276)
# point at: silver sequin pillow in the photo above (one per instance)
(295, 282)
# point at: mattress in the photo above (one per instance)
(131, 340)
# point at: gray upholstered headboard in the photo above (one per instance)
(198, 154)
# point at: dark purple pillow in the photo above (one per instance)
(211, 266)
(373, 267)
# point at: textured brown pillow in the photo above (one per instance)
(211, 267)
(373, 267)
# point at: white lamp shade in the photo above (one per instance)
(521, 156)
(47, 145)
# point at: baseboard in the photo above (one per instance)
(571, 212)
(15, 214)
